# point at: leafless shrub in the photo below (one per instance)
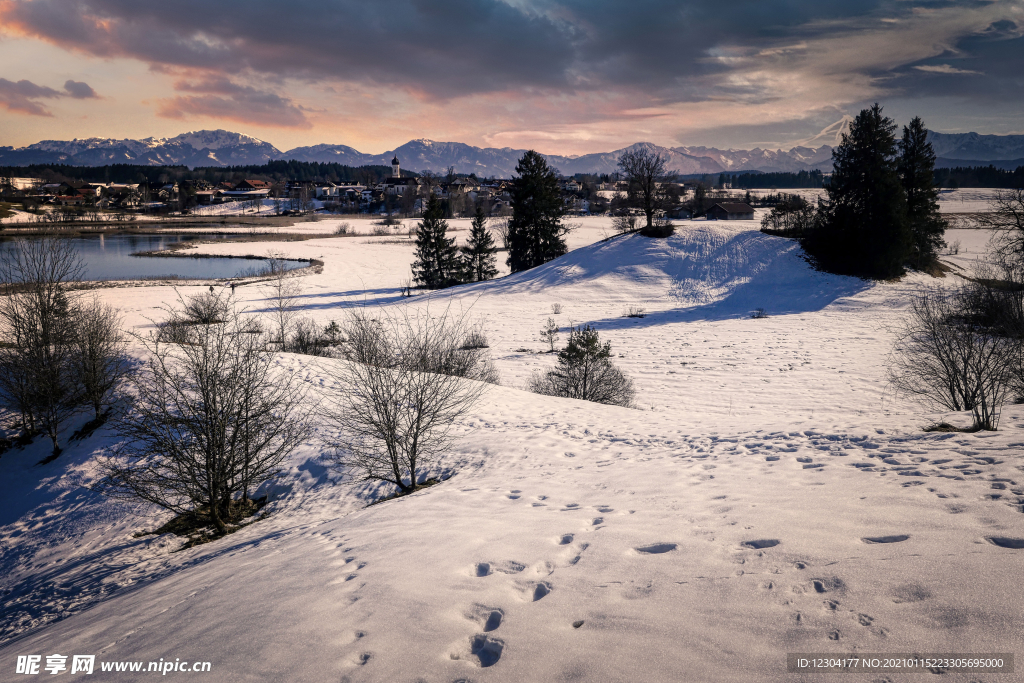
(945, 356)
(403, 387)
(556, 309)
(283, 292)
(476, 338)
(634, 311)
(205, 308)
(179, 453)
(501, 226)
(344, 228)
(585, 372)
(758, 314)
(101, 357)
(626, 223)
(380, 230)
(308, 339)
(953, 248)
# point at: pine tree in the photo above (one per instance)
(535, 233)
(863, 224)
(437, 262)
(478, 254)
(917, 173)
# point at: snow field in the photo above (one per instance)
(769, 497)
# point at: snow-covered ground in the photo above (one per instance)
(768, 496)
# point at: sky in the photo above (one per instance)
(560, 76)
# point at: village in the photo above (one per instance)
(400, 194)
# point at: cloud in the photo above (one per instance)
(943, 69)
(662, 68)
(220, 98)
(21, 97)
(79, 90)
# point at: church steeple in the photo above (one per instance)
(396, 171)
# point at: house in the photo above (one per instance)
(730, 211)
(399, 186)
(248, 185)
(679, 211)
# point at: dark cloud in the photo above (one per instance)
(79, 90)
(984, 67)
(223, 99)
(443, 47)
(659, 53)
(22, 96)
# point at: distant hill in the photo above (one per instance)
(224, 148)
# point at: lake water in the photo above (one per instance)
(109, 257)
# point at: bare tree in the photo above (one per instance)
(1008, 221)
(645, 170)
(283, 293)
(585, 371)
(405, 382)
(101, 358)
(37, 325)
(949, 358)
(210, 420)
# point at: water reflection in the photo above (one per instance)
(109, 257)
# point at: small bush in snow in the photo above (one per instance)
(944, 356)
(475, 339)
(344, 228)
(585, 371)
(550, 333)
(556, 309)
(758, 314)
(205, 308)
(635, 312)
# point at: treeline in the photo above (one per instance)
(763, 181)
(274, 171)
(979, 176)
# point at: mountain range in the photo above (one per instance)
(224, 148)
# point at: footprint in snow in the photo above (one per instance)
(480, 650)
(884, 539)
(489, 618)
(534, 591)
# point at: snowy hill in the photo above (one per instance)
(768, 497)
(198, 148)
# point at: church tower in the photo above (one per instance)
(395, 170)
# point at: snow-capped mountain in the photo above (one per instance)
(225, 148)
(977, 147)
(197, 148)
(419, 155)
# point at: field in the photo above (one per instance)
(767, 496)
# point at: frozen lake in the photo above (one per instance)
(110, 257)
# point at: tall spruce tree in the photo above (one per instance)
(478, 253)
(917, 173)
(863, 227)
(535, 233)
(437, 263)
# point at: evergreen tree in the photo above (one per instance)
(863, 226)
(535, 233)
(437, 262)
(478, 254)
(917, 172)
